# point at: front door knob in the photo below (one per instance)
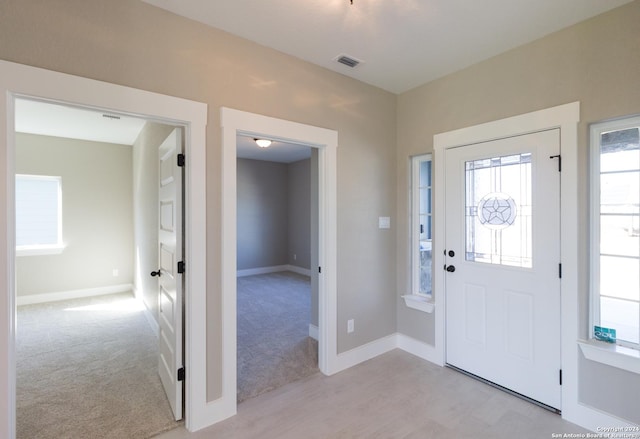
(155, 273)
(451, 268)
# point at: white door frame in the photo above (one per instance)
(566, 118)
(18, 80)
(236, 122)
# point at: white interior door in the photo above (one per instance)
(170, 277)
(502, 260)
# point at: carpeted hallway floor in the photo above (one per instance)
(274, 347)
(87, 368)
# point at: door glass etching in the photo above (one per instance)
(498, 210)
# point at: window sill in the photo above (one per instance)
(421, 303)
(611, 355)
(39, 250)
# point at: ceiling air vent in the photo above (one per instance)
(347, 60)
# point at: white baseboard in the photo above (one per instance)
(365, 352)
(313, 331)
(73, 294)
(273, 269)
(261, 270)
(378, 347)
(418, 348)
(594, 419)
(299, 270)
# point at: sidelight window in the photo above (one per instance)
(615, 230)
(421, 224)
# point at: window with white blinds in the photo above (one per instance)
(38, 214)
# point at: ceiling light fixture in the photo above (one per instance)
(263, 143)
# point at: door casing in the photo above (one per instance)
(18, 80)
(566, 118)
(508, 304)
(236, 122)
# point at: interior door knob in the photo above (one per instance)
(156, 273)
(451, 268)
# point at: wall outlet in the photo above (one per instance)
(350, 326)
(116, 272)
(295, 257)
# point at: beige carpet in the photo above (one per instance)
(87, 368)
(274, 347)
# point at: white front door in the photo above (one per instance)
(502, 260)
(170, 277)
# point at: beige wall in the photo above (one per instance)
(96, 214)
(132, 43)
(596, 62)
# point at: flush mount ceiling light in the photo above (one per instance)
(263, 143)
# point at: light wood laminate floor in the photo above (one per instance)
(395, 395)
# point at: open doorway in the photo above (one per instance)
(324, 143)
(20, 81)
(277, 301)
(84, 344)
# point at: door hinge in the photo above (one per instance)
(319, 269)
(181, 160)
(181, 374)
(560, 271)
(559, 157)
(181, 267)
(560, 376)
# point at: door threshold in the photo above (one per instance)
(504, 389)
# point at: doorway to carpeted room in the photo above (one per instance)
(89, 368)
(274, 346)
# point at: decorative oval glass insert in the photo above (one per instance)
(497, 211)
